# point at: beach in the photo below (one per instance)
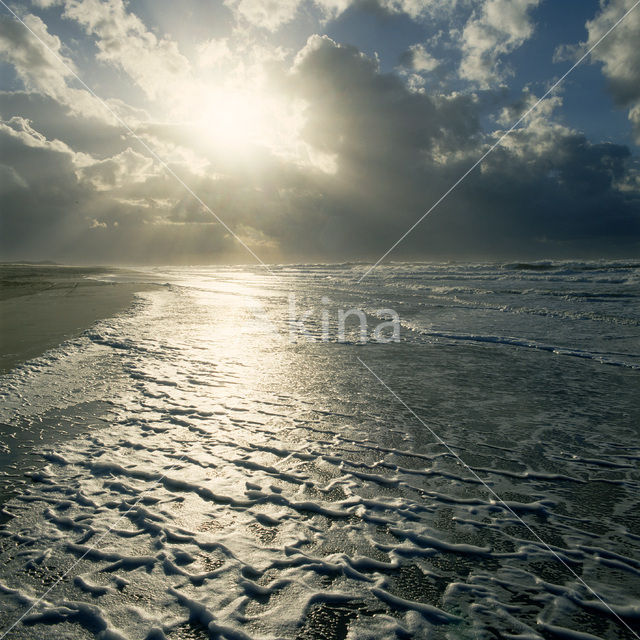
(217, 460)
(41, 306)
(362, 360)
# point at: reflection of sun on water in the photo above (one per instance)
(232, 315)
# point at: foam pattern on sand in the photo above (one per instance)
(212, 479)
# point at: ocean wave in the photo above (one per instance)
(632, 362)
(211, 482)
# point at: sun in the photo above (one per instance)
(235, 119)
(245, 121)
(239, 121)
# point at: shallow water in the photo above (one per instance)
(192, 472)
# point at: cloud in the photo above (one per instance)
(271, 15)
(419, 59)
(46, 4)
(398, 151)
(362, 154)
(67, 206)
(331, 9)
(496, 29)
(40, 62)
(154, 64)
(11, 179)
(619, 55)
(213, 52)
(39, 214)
(20, 129)
(332, 77)
(268, 14)
(415, 9)
(127, 167)
(372, 117)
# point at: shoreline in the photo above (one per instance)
(42, 306)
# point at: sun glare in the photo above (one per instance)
(238, 121)
(234, 120)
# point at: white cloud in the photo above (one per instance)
(213, 52)
(417, 10)
(413, 8)
(538, 134)
(273, 14)
(37, 56)
(155, 65)
(497, 29)
(128, 167)
(421, 59)
(619, 54)
(21, 129)
(543, 111)
(46, 4)
(333, 8)
(269, 14)
(41, 64)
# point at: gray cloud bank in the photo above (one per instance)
(76, 186)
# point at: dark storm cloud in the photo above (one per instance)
(53, 206)
(398, 151)
(364, 115)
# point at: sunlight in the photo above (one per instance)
(237, 121)
(362, 356)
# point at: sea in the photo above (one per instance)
(432, 451)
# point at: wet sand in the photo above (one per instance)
(42, 306)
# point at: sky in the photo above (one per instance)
(202, 132)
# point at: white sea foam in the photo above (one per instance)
(191, 476)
